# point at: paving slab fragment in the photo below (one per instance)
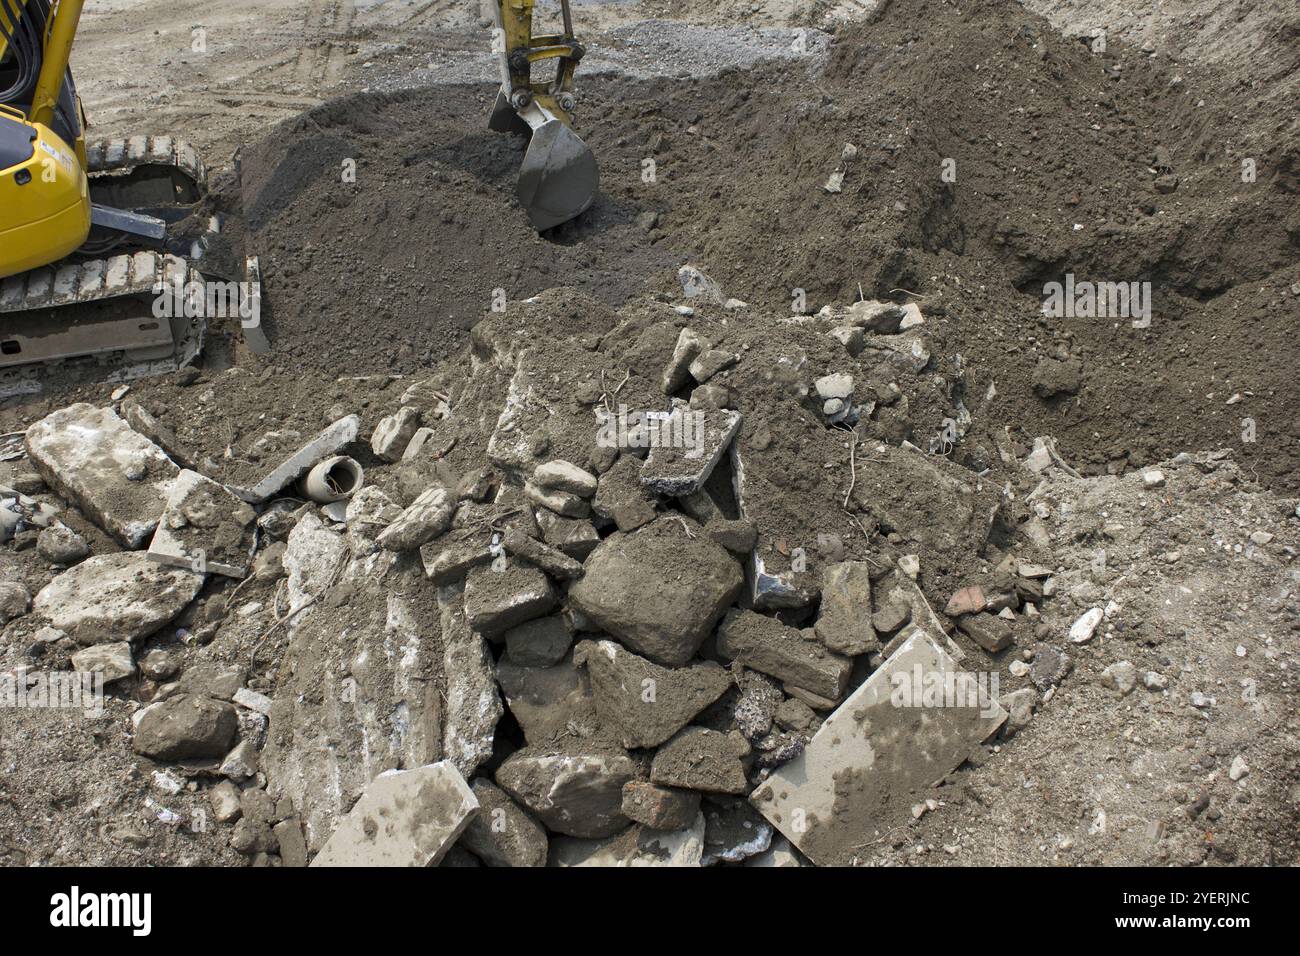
(114, 475)
(405, 818)
(116, 597)
(887, 744)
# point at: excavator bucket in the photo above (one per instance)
(558, 179)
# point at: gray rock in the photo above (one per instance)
(225, 802)
(14, 601)
(634, 847)
(577, 793)
(116, 597)
(394, 432)
(183, 727)
(677, 373)
(114, 661)
(59, 544)
(472, 705)
(496, 601)
(1120, 676)
(540, 643)
(621, 498)
(405, 818)
(502, 833)
(702, 759)
(639, 701)
(838, 385)
(555, 563)
(765, 644)
(844, 619)
(565, 476)
(657, 590)
(428, 516)
(660, 808)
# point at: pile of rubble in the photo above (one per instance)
(654, 594)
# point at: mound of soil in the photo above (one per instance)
(1109, 167)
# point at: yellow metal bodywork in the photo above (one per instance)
(45, 200)
(48, 216)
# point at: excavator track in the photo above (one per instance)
(92, 316)
(145, 171)
(97, 320)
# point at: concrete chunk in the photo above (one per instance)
(634, 847)
(641, 702)
(672, 468)
(496, 601)
(116, 597)
(767, 645)
(115, 476)
(394, 432)
(677, 373)
(502, 834)
(702, 759)
(204, 528)
(578, 794)
(114, 661)
(405, 818)
(428, 516)
(564, 476)
(844, 620)
(888, 743)
(628, 591)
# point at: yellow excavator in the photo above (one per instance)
(85, 243)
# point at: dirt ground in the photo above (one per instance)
(996, 149)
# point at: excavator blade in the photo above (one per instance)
(558, 179)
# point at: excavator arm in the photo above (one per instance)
(559, 177)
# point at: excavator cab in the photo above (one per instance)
(559, 177)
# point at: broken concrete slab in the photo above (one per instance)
(560, 502)
(205, 528)
(636, 846)
(914, 719)
(497, 600)
(642, 703)
(698, 758)
(555, 563)
(502, 833)
(330, 441)
(767, 645)
(393, 433)
(844, 618)
(116, 597)
(114, 475)
(710, 362)
(658, 590)
(472, 704)
(405, 818)
(987, 630)
(447, 561)
(578, 793)
(621, 498)
(359, 683)
(677, 468)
